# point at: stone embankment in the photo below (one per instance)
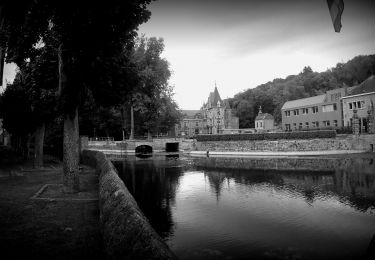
(363, 143)
(127, 234)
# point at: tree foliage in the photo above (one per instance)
(151, 96)
(90, 39)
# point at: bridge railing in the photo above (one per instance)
(108, 139)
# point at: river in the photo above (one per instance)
(241, 208)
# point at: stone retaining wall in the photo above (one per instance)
(127, 233)
(347, 142)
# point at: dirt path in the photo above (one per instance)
(47, 228)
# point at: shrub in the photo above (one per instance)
(269, 136)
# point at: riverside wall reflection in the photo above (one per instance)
(352, 180)
(258, 207)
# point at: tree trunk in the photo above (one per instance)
(69, 96)
(38, 146)
(71, 153)
(131, 123)
(123, 124)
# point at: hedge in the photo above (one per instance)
(269, 136)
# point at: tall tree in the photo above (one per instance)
(90, 36)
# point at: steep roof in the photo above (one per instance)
(263, 116)
(303, 102)
(214, 97)
(365, 87)
(189, 113)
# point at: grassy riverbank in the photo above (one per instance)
(46, 228)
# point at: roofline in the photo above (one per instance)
(325, 95)
(358, 95)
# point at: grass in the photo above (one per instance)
(46, 229)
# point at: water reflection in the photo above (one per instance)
(265, 208)
(153, 183)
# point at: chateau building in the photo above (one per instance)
(214, 117)
(191, 124)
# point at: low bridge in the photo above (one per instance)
(142, 146)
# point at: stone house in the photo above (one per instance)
(264, 121)
(360, 104)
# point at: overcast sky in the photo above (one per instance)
(243, 43)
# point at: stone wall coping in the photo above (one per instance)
(127, 234)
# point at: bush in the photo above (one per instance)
(269, 136)
(344, 130)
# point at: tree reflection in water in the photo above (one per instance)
(153, 184)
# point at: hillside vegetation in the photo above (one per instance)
(272, 95)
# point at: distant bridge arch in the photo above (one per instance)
(143, 149)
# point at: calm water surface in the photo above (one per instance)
(241, 208)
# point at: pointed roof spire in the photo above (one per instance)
(260, 110)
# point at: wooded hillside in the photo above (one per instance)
(272, 95)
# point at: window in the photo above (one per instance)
(317, 124)
(196, 123)
(307, 124)
(295, 126)
(287, 113)
(356, 104)
(305, 110)
(315, 110)
(287, 127)
(329, 108)
(296, 112)
(300, 126)
(326, 123)
(313, 124)
(335, 123)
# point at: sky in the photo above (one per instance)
(240, 44)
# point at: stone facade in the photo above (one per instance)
(363, 106)
(191, 124)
